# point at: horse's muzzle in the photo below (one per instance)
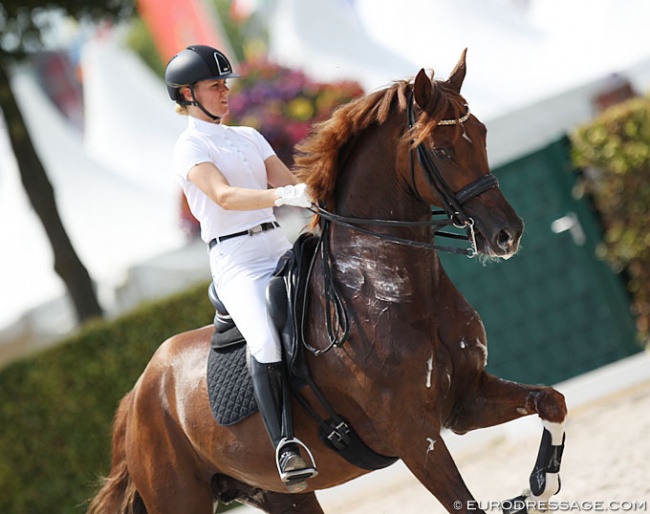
(499, 239)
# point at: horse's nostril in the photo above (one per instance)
(504, 239)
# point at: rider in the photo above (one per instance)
(225, 172)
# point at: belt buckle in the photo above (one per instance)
(255, 230)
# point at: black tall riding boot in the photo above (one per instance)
(268, 380)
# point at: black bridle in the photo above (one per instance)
(452, 203)
(336, 316)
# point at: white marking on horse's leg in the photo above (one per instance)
(429, 371)
(463, 344)
(556, 430)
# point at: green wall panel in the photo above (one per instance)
(554, 310)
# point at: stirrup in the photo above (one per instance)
(295, 475)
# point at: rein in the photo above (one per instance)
(355, 224)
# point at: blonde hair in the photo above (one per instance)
(182, 109)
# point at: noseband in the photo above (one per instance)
(452, 202)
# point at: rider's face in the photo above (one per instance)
(212, 95)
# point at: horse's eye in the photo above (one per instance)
(441, 153)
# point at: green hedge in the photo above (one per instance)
(56, 408)
(615, 148)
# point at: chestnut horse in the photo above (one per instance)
(413, 356)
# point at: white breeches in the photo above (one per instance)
(241, 268)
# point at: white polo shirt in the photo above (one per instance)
(239, 153)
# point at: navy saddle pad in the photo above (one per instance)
(230, 387)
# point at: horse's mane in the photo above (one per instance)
(316, 159)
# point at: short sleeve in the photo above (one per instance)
(189, 152)
(265, 148)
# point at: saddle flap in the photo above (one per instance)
(286, 299)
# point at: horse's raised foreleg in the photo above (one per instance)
(495, 401)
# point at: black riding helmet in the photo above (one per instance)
(192, 65)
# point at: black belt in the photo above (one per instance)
(250, 232)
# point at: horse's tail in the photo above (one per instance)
(117, 494)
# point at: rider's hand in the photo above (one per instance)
(293, 195)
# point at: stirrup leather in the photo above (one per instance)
(294, 474)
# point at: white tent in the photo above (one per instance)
(326, 40)
(130, 123)
(116, 192)
(519, 51)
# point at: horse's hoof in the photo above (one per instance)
(516, 505)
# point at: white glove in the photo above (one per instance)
(293, 195)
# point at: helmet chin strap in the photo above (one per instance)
(203, 109)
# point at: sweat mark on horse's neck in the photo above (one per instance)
(362, 270)
(389, 283)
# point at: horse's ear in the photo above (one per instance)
(458, 75)
(422, 89)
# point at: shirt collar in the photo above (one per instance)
(205, 126)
